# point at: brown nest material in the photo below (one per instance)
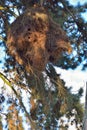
(34, 39)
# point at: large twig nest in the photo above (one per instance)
(34, 39)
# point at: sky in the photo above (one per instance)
(2, 56)
(75, 2)
(75, 79)
(81, 2)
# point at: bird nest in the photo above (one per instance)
(34, 39)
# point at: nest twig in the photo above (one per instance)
(34, 39)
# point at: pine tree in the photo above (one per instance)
(33, 65)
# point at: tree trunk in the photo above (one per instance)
(85, 113)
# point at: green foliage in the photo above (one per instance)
(49, 98)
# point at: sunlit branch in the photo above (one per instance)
(7, 9)
(2, 39)
(8, 82)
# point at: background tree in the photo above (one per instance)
(48, 98)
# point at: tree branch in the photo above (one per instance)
(8, 82)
